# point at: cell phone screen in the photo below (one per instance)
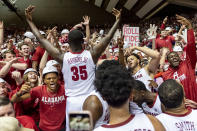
(80, 122)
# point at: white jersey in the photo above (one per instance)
(104, 119)
(186, 122)
(143, 76)
(139, 122)
(154, 109)
(79, 73)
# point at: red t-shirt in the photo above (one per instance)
(28, 62)
(52, 107)
(8, 78)
(27, 122)
(38, 54)
(165, 42)
(185, 73)
(29, 107)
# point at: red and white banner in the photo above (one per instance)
(131, 36)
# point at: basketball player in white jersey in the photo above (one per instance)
(176, 116)
(78, 65)
(146, 73)
(147, 101)
(95, 103)
(115, 86)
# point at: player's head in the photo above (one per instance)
(115, 85)
(105, 64)
(75, 38)
(173, 59)
(133, 60)
(138, 92)
(6, 107)
(171, 93)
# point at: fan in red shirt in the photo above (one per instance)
(29, 106)
(164, 40)
(52, 100)
(184, 71)
(6, 109)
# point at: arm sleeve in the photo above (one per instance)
(191, 48)
(162, 26)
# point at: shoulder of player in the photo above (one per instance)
(156, 123)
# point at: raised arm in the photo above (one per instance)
(152, 33)
(1, 32)
(121, 53)
(54, 52)
(98, 49)
(22, 94)
(191, 46)
(86, 23)
(5, 69)
(154, 63)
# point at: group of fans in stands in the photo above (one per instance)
(45, 75)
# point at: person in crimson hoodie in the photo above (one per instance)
(6, 109)
(184, 71)
(52, 100)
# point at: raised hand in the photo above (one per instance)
(25, 88)
(152, 31)
(16, 75)
(28, 12)
(120, 41)
(1, 24)
(116, 13)
(86, 20)
(184, 21)
(165, 20)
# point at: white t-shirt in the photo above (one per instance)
(143, 76)
(79, 73)
(139, 122)
(185, 122)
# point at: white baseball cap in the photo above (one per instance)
(2, 80)
(177, 48)
(42, 32)
(51, 63)
(8, 123)
(49, 69)
(101, 32)
(29, 34)
(168, 28)
(65, 31)
(29, 70)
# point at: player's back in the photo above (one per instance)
(79, 73)
(138, 122)
(183, 122)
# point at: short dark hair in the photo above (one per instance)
(114, 85)
(136, 55)
(139, 86)
(106, 64)
(171, 93)
(4, 101)
(75, 37)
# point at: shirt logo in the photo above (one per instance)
(179, 78)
